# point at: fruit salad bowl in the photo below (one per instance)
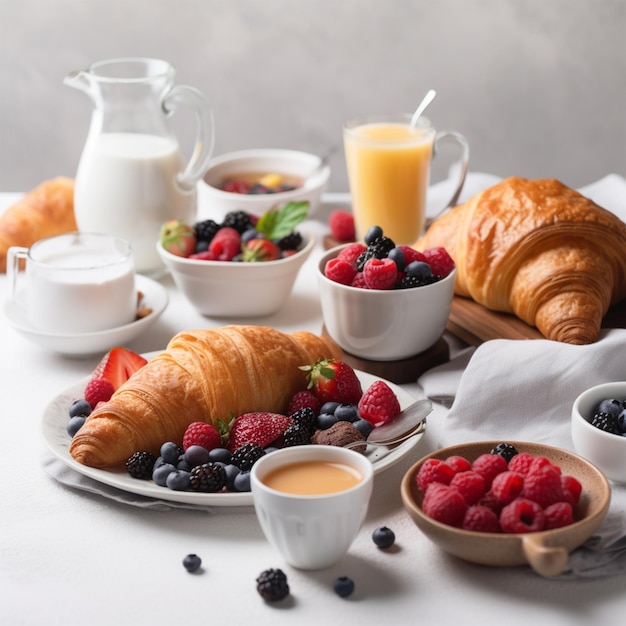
(545, 551)
(598, 431)
(296, 176)
(236, 289)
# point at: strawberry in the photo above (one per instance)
(379, 404)
(257, 428)
(98, 390)
(118, 365)
(333, 381)
(261, 250)
(178, 238)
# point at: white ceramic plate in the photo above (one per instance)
(82, 344)
(54, 433)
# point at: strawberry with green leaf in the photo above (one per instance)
(333, 381)
(178, 238)
(260, 250)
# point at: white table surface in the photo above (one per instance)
(72, 558)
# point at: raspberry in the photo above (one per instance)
(458, 463)
(302, 400)
(206, 255)
(522, 516)
(359, 281)
(236, 186)
(507, 486)
(444, 504)
(489, 466)
(226, 243)
(571, 489)
(558, 515)
(379, 403)
(541, 461)
(341, 225)
(411, 254)
(521, 462)
(352, 252)
(490, 501)
(470, 485)
(439, 260)
(340, 271)
(98, 390)
(542, 485)
(434, 471)
(201, 434)
(380, 273)
(482, 519)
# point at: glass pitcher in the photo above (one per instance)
(132, 176)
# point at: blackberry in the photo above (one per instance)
(296, 435)
(205, 230)
(378, 249)
(408, 282)
(208, 477)
(505, 450)
(292, 241)
(272, 585)
(246, 456)
(306, 417)
(140, 465)
(606, 422)
(239, 220)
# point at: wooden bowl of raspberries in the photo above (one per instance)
(507, 503)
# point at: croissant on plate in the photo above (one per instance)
(45, 211)
(202, 376)
(540, 250)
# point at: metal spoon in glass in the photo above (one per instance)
(428, 98)
(410, 422)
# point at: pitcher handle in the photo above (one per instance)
(14, 255)
(454, 137)
(203, 149)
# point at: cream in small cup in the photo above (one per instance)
(311, 502)
(388, 163)
(74, 283)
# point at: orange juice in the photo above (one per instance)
(388, 166)
(313, 478)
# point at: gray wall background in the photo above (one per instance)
(537, 86)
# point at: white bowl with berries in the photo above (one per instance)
(383, 302)
(256, 180)
(598, 428)
(240, 267)
(506, 504)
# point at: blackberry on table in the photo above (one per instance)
(246, 456)
(239, 220)
(205, 230)
(506, 450)
(140, 465)
(296, 435)
(209, 477)
(272, 585)
(606, 422)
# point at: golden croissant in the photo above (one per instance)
(540, 250)
(45, 211)
(202, 376)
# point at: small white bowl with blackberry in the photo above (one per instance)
(599, 428)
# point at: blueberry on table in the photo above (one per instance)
(192, 563)
(343, 586)
(383, 537)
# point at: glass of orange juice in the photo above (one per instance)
(388, 162)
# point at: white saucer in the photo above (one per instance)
(83, 344)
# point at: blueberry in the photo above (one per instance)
(364, 427)
(170, 452)
(343, 586)
(271, 449)
(160, 473)
(202, 245)
(346, 413)
(383, 537)
(182, 464)
(397, 256)
(223, 455)
(611, 406)
(419, 269)
(329, 407)
(192, 563)
(178, 480)
(375, 232)
(74, 424)
(80, 407)
(249, 234)
(325, 421)
(242, 481)
(232, 471)
(196, 455)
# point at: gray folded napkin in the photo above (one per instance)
(524, 391)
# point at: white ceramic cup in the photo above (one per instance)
(311, 531)
(74, 283)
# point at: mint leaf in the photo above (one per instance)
(279, 222)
